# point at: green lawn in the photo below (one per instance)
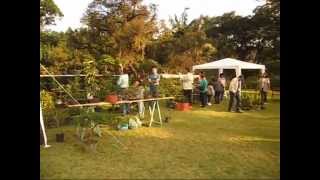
(200, 144)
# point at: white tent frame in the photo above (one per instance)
(229, 63)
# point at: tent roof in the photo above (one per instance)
(229, 63)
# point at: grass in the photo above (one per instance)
(201, 144)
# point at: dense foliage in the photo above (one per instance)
(127, 32)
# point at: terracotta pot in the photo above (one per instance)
(94, 100)
(112, 99)
(182, 106)
(178, 106)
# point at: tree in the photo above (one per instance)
(126, 26)
(48, 12)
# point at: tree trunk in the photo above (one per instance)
(134, 70)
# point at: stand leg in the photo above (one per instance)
(152, 113)
(158, 107)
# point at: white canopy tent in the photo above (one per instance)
(229, 63)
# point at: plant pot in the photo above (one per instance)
(113, 99)
(60, 137)
(183, 106)
(94, 100)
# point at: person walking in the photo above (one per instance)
(187, 85)
(211, 93)
(222, 81)
(234, 93)
(264, 87)
(203, 90)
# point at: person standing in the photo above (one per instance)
(222, 81)
(264, 88)
(187, 85)
(154, 81)
(211, 93)
(234, 92)
(203, 90)
(123, 84)
(218, 89)
(139, 92)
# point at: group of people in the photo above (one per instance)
(216, 88)
(213, 90)
(137, 89)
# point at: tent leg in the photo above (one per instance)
(220, 71)
(43, 129)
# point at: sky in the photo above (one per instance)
(73, 10)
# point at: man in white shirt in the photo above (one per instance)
(234, 94)
(187, 85)
(264, 88)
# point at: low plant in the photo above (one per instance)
(88, 130)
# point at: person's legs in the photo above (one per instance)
(265, 96)
(261, 98)
(238, 101)
(141, 109)
(153, 91)
(189, 96)
(209, 98)
(221, 95)
(186, 95)
(231, 101)
(216, 97)
(203, 99)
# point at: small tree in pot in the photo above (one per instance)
(90, 79)
(88, 131)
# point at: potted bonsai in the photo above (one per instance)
(111, 90)
(50, 112)
(88, 131)
(91, 83)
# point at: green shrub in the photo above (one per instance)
(48, 108)
(170, 87)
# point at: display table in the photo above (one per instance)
(153, 105)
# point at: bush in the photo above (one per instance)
(48, 109)
(170, 87)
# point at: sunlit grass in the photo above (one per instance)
(203, 143)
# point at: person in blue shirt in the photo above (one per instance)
(154, 81)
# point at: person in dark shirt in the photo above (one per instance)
(218, 89)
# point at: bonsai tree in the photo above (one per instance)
(90, 79)
(88, 131)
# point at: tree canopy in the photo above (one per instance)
(128, 32)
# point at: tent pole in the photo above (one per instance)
(220, 71)
(43, 129)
